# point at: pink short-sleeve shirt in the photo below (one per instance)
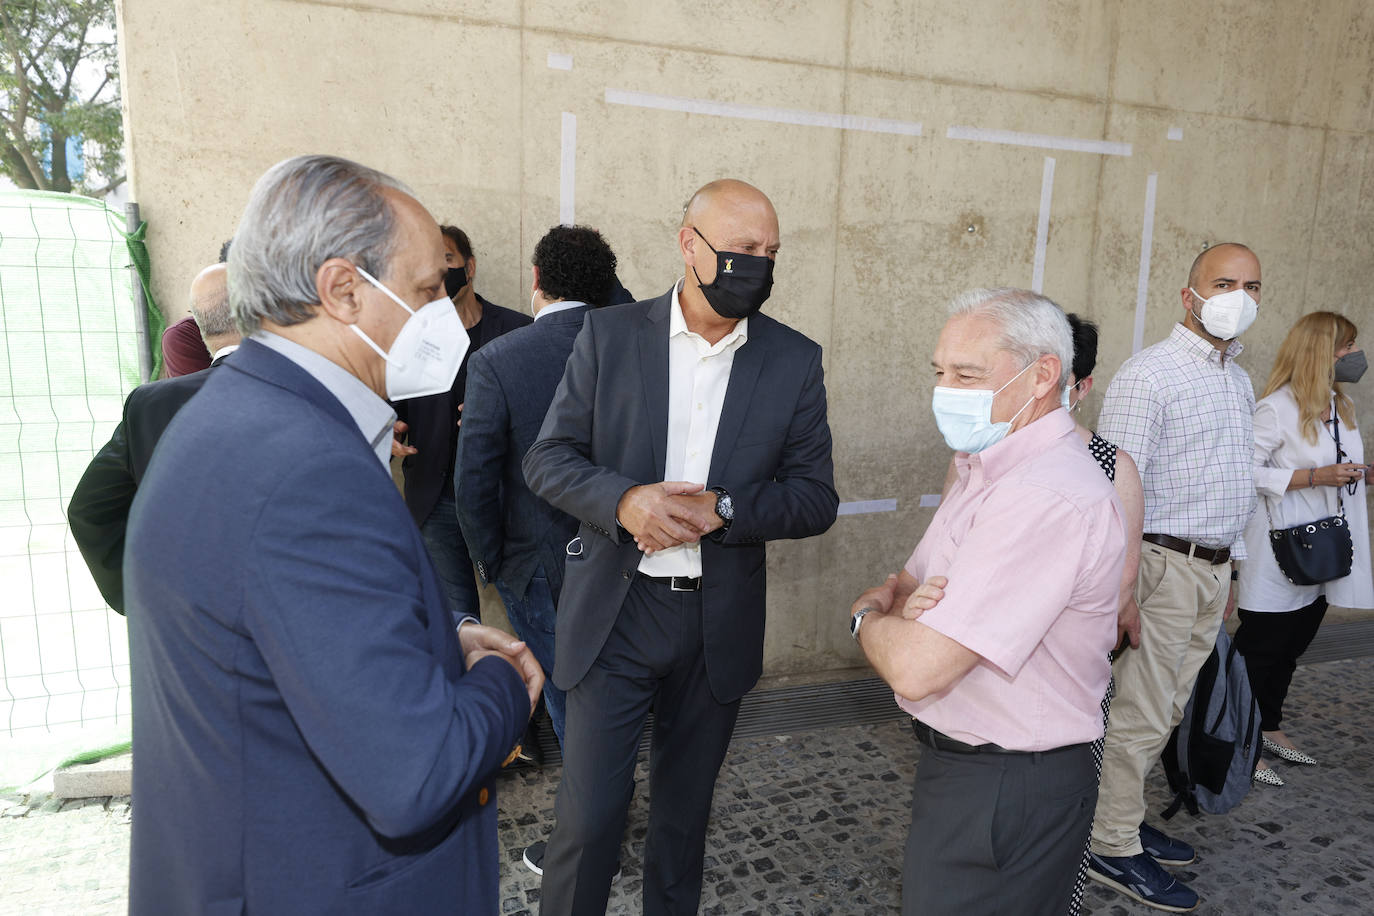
(1032, 539)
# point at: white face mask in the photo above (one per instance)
(428, 350)
(1064, 400)
(964, 415)
(1227, 315)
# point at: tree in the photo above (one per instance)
(59, 80)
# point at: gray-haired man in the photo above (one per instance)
(1004, 676)
(298, 683)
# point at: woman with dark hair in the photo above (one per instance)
(1309, 465)
(427, 432)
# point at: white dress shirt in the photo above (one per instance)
(562, 305)
(1280, 449)
(698, 374)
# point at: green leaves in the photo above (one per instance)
(59, 78)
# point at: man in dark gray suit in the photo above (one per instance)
(687, 431)
(517, 540)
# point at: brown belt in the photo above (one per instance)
(1211, 555)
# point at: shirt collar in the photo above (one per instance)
(373, 415)
(1190, 342)
(560, 306)
(223, 351)
(1026, 442)
(677, 324)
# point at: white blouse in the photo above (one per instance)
(1280, 449)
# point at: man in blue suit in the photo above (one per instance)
(312, 734)
(517, 540)
(688, 430)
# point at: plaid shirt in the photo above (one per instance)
(1185, 417)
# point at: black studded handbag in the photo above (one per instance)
(1318, 551)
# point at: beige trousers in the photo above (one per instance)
(1181, 603)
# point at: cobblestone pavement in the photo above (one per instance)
(814, 823)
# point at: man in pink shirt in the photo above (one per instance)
(995, 636)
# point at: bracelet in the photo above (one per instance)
(1311, 477)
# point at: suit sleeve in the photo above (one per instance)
(334, 605)
(800, 500)
(558, 467)
(481, 458)
(99, 514)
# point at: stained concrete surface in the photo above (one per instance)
(815, 823)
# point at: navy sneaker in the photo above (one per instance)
(1165, 849)
(1142, 879)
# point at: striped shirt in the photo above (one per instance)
(1184, 415)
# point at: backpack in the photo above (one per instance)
(1211, 756)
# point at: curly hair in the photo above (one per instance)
(575, 263)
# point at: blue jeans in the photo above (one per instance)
(532, 618)
(450, 555)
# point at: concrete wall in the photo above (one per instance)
(879, 128)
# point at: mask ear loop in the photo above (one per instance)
(395, 298)
(377, 283)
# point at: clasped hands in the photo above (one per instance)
(668, 514)
(479, 641)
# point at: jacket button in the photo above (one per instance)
(624, 574)
(483, 797)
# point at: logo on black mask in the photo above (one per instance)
(739, 290)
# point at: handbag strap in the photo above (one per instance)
(1335, 433)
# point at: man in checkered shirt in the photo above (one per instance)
(1182, 409)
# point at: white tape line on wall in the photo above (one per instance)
(761, 113)
(867, 506)
(1142, 283)
(567, 170)
(1042, 226)
(1041, 141)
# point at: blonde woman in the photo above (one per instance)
(1299, 473)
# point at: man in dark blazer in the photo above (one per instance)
(688, 430)
(430, 428)
(99, 510)
(517, 539)
(312, 734)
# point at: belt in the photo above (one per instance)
(1211, 555)
(676, 583)
(941, 742)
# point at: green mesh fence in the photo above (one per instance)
(70, 355)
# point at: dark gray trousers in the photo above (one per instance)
(997, 833)
(652, 660)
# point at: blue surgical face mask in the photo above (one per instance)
(964, 416)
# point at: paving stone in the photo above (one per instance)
(816, 823)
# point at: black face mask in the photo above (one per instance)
(742, 285)
(454, 280)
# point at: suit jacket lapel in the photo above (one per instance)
(653, 369)
(744, 376)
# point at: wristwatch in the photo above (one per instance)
(857, 621)
(725, 506)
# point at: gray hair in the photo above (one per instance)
(1031, 325)
(302, 212)
(212, 313)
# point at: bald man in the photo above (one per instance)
(688, 430)
(1181, 409)
(99, 510)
